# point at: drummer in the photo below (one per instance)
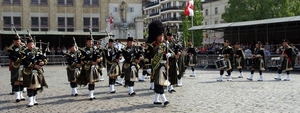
(227, 54)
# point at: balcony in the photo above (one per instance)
(154, 14)
(172, 8)
(172, 19)
(152, 4)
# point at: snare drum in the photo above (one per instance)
(250, 61)
(276, 62)
(220, 64)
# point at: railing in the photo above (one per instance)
(152, 4)
(205, 61)
(171, 19)
(153, 14)
(171, 8)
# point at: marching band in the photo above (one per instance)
(164, 60)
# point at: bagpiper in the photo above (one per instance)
(239, 57)
(227, 55)
(89, 73)
(16, 57)
(100, 65)
(73, 70)
(288, 60)
(173, 66)
(191, 57)
(33, 72)
(112, 58)
(158, 59)
(130, 65)
(258, 57)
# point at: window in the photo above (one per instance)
(61, 21)
(205, 23)
(11, 2)
(90, 22)
(69, 2)
(41, 2)
(8, 20)
(116, 9)
(206, 12)
(65, 24)
(39, 23)
(34, 21)
(216, 10)
(90, 2)
(64, 2)
(130, 9)
(216, 22)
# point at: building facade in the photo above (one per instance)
(212, 14)
(60, 20)
(168, 11)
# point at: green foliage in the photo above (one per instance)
(246, 10)
(187, 23)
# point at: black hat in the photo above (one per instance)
(29, 40)
(16, 38)
(227, 41)
(169, 34)
(285, 40)
(237, 43)
(88, 38)
(130, 39)
(96, 42)
(155, 29)
(71, 45)
(111, 40)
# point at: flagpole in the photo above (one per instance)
(192, 30)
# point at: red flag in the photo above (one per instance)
(189, 8)
(111, 21)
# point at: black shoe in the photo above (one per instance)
(141, 80)
(277, 79)
(113, 92)
(36, 104)
(260, 80)
(17, 100)
(12, 93)
(249, 79)
(157, 103)
(92, 98)
(132, 94)
(76, 95)
(22, 99)
(173, 90)
(227, 75)
(166, 103)
(29, 105)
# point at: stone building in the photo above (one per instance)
(57, 21)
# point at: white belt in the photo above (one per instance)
(163, 61)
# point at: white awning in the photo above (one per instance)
(247, 23)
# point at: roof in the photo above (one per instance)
(247, 23)
(54, 33)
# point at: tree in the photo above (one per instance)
(187, 23)
(246, 10)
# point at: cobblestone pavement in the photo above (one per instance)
(199, 94)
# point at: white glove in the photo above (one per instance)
(168, 55)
